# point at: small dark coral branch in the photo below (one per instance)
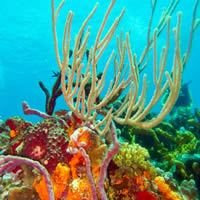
(50, 102)
(46, 92)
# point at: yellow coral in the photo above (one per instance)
(135, 171)
(133, 156)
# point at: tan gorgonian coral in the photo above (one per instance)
(133, 108)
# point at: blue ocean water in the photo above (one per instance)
(26, 45)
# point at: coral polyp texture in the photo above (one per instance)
(107, 143)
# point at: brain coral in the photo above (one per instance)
(47, 142)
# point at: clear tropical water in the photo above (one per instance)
(26, 45)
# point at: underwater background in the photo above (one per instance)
(73, 159)
(27, 53)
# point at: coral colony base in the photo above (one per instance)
(94, 149)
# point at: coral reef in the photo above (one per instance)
(178, 146)
(80, 154)
(130, 174)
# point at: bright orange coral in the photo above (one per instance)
(79, 189)
(84, 137)
(76, 160)
(13, 133)
(60, 179)
(41, 188)
(165, 189)
(141, 183)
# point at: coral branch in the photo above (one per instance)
(50, 102)
(17, 161)
(89, 173)
(103, 170)
(47, 94)
(29, 111)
